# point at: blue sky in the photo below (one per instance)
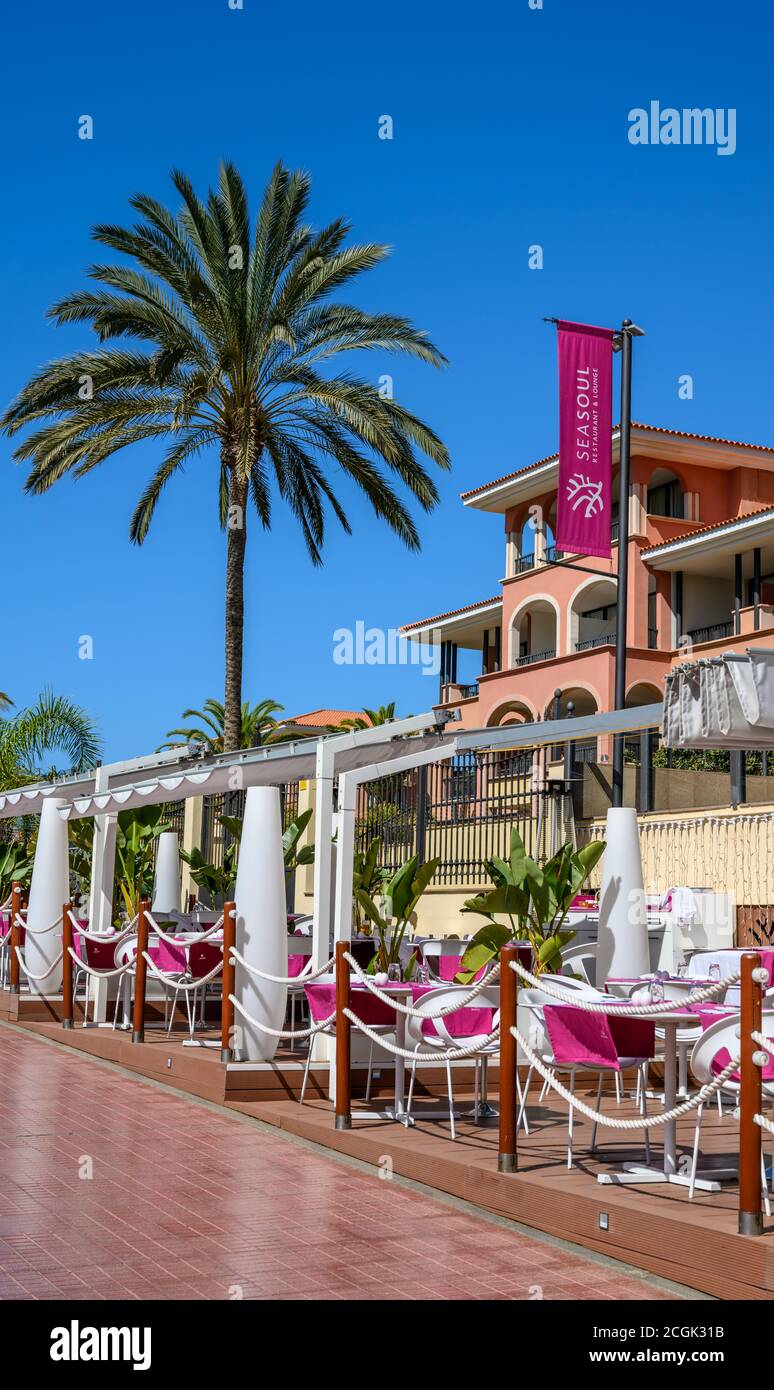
(510, 129)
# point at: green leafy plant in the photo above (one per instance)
(369, 878)
(535, 901)
(294, 857)
(15, 866)
(136, 836)
(401, 895)
(216, 880)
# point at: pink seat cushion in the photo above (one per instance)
(581, 1039)
(170, 959)
(295, 965)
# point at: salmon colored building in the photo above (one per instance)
(701, 580)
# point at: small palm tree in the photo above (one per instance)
(258, 726)
(54, 724)
(369, 718)
(232, 335)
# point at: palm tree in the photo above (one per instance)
(237, 334)
(258, 726)
(53, 724)
(368, 718)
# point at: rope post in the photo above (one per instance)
(507, 1158)
(67, 967)
(750, 1221)
(343, 1040)
(140, 973)
(229, 983)
(16, 900)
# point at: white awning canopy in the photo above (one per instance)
(723, 702)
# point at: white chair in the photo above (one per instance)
(578, 1060)
(433, 948)
(427, 1046)
(723, 1037)
(577, 959)
(386, 1030)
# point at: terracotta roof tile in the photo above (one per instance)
(452, 613)
(321, 718)
(654, 429)
(704, 530)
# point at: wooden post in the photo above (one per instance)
(343, 1040)
(229, 980)
(507, 1159)
(750, 1221)
(16, 899)
(140, 973)
(67, 967)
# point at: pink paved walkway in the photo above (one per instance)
(186, 1202)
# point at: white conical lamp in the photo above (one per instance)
(622, 943)
(49, 890)
(166, 882)
(261, 924)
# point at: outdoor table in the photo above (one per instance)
(635, 1173)
(373, 1011)
(729, 962)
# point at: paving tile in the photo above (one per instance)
(187, 1202)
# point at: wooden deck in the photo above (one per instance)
(654, 1228)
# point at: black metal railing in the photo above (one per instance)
(529, 658)
(554, 554)
(652, 638)
(615, 531)
(468, 692)
(715, 632)
(214, 835)
(523, 563)
(603, 639)
(460, 812)
(174, 816)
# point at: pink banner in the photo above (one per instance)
(585, 439)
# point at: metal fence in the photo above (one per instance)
(214, 835)
(460, 812)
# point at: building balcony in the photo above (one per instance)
(530, 658)
(603, 639)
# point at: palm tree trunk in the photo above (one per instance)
(235, 608)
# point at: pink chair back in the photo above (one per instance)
(170, 959)
(579, 1038)
(100, 955)
(203, 956)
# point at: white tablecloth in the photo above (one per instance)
(728, 963)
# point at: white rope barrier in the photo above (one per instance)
(175, 940)
(766, 1043)
(386, 998)
(282, 1032)
(444, 1055)
(37, 931)
(625, 1006)
(100, 974)
(105, 937)
(36, 978)
(610, 1121)
(182, 981)
(282, 979)
(763, 1123)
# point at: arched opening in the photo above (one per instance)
(534, 634)
(575, 702)
(525, 545)
(514, 712)
(592, 616)
(665, 494)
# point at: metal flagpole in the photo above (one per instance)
(628, 331)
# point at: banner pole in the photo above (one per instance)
(623, 553)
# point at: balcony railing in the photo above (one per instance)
(714, 633)
(615, 531)
(652, 638)
(603, 639)
(529, 658)
(468, 692)
(553, 554)
(523, 563)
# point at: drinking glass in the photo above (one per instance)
(714, 972)
(656, 991)
(393, 972)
